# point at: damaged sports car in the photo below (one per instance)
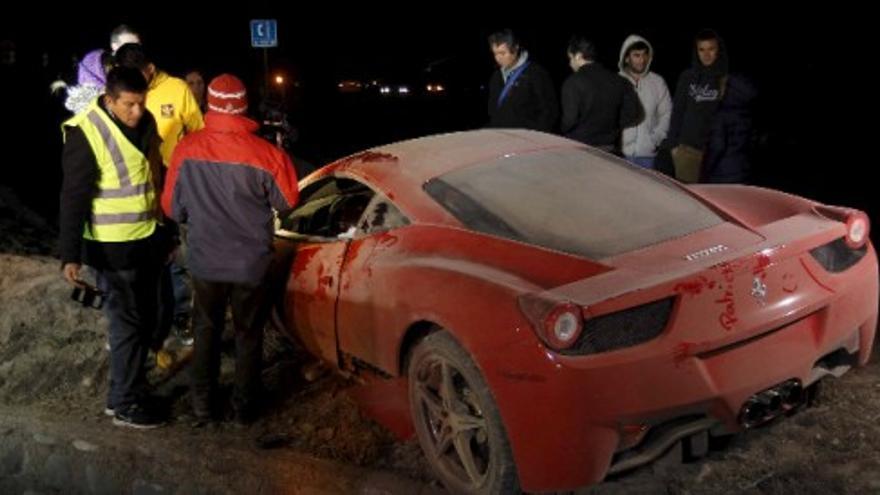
(558, 315)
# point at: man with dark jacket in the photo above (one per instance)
(698, 94)
(597, 104)
(727, 158)
(108, 220)
(223, 183)
(521, 93)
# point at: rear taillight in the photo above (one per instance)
(857, 228)
(857, 224)
(558, 324)
(563, 326)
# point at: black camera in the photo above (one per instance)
(88, 296)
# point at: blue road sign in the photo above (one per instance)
(264, 33)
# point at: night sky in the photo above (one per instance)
(806, 114)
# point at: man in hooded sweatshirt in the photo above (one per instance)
(697, 96)
(640, 142)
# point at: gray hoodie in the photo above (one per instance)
(643, 139)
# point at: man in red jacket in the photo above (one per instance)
(223, 183)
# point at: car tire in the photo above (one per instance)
(458, 424)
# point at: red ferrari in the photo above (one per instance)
(560, 315)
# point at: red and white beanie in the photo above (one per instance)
(227, 94)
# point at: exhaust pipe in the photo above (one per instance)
(771, 403)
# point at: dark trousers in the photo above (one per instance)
(131, 306)
(249, 312)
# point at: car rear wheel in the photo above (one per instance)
(456, 420)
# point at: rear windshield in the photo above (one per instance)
(576, 201)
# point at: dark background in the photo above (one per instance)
(814, 116)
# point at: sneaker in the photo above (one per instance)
(244, 417)
(245, 414)
(183, 330)
(185, 336)
(109, 411)
(136, 416)
(202, 410)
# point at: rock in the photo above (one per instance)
(313, 371)
(273, 440)
(326, 434)
(100, 482)
(141, 487)
(84, 446)
(12, 461)
(58, 470)
(44, 439)
(705, 470)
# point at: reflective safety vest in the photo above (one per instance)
(123, 207)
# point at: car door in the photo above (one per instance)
(317, 235)
(366, 295)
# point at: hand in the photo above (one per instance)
(71, 274)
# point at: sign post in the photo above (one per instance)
(264, 34)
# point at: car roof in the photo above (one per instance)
(399, 170)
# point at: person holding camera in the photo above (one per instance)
(109, 221)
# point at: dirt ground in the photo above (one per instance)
(315, 439)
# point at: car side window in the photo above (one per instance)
(346, 211)
(314, 205)
(382, 215)
(330, 207)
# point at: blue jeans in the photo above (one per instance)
(131, 307)
(175, 300)
(181, 290)
(642, 161)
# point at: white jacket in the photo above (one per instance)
(643, 139)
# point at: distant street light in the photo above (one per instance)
(279, 80)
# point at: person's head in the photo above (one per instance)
(196, 82)
(125, 94)
(107, 60)
(708, 47)
(7, 52)
(122, 35)
(91, 70)
(580, 51)
(637, 58)
(505, 48)
(227, 94)
(134, 56)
